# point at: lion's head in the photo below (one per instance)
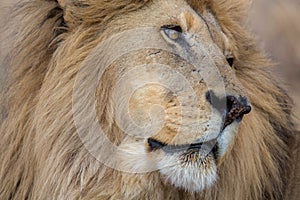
(145, 100)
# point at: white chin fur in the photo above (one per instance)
(225, 140)
(189, 176)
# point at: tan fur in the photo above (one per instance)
(42, 156)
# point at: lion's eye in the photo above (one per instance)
(230, 61)
(172, 31)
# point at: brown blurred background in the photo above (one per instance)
(277, 26)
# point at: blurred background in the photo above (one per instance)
(277, 26)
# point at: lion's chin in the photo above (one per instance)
(190, 170)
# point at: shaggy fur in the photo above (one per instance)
(42, 156)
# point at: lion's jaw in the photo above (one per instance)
(193, 176)
(196, 170)
(186, 167)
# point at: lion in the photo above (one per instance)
(164, 99)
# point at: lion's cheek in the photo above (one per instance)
(147, 109)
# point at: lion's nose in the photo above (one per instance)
(234, 108)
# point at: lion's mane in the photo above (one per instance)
(42, 159)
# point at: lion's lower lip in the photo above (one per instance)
(156, 145)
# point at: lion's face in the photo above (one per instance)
(173, 93)
(128, 99)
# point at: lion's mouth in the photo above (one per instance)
(208, 147)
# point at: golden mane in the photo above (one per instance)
(46, 158)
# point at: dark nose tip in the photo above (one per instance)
(235, 108)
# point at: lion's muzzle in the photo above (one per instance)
(233, 107)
